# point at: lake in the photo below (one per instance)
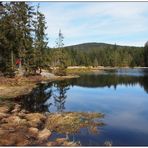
(121, 95)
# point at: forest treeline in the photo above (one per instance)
(24, 45)
(95, 54)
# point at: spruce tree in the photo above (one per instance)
(7, 38)
(60, 55)
(16, 38)
(23, 14)
(40, 41)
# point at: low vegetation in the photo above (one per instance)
(20, 128)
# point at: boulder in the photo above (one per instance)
(44, 135)
(4, 109)
(60, 141)
(33, 131)
(35, 119)
(11, 119)
(3, 115)
(69, 143)
(14, 121)
(6, 142)
(52, 143)
(2, 131)
(23, 142)
(49, 144)
(46, 74)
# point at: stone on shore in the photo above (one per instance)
(44, 135)
(14, 120)
(3, 115)
(35, 119)
(4, 109)
(33, 131)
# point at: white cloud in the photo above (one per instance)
(82, 21)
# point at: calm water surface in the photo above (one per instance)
(122, 95)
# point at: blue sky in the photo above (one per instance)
(124, 23)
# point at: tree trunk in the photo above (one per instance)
(12, 59)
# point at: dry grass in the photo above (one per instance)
(72, 122)
(13, 87)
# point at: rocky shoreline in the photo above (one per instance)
(18, 127)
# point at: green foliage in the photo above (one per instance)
(59, 56)
(99, 54)
(40, 41)
(23, 37)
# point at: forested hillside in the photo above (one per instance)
(95, 54)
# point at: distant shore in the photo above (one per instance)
(17, 86)
(99, 69)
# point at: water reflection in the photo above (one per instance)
(34, 102)
(45, 97)
(94, 81)
(121, 97)
(59, 91)
(52, 97)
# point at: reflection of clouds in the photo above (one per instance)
(128, 120)
(125, 107)
(130, 72)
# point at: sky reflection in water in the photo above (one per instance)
(122, 96)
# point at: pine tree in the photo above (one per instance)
(60, 56)
(15, 33)
(23, 14)
(40, 41)
(7, 38)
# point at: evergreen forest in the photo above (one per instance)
(24, 45)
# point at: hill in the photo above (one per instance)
(94, 54)
(94, 45)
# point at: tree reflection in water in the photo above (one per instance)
(34, 102)
(109, 80)
(46, 95)
(59, 95)
(52, 96)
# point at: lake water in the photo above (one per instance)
(122, 95)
